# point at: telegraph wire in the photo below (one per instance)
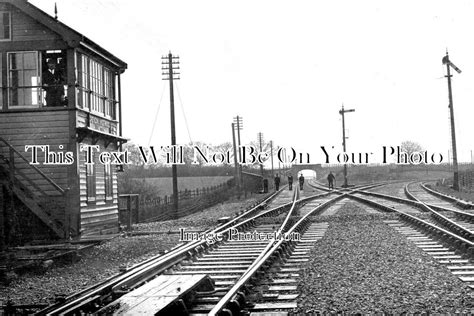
(156, 115)
(184, 113)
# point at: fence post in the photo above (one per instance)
(469, 180)
(137, 206)
(129, 210)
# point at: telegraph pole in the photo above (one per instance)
(449, 64)
(236, 165)
(260, 141)
(170, 63)
(271, 155)
(342, 111)
(238, 124)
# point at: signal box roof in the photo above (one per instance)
(70, 36)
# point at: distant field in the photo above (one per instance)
(165, 185)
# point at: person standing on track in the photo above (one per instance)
(277, 182)
(301, 179)
(331, 180)
(290, 182)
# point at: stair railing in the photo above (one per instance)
(15, 171)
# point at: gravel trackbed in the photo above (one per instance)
(363, 266)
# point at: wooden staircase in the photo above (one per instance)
(48, 207)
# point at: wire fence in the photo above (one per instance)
(466, 180)
(134, 208)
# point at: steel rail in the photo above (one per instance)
(418, 221)
(469, 216)
(232, 295)
(151, 267)
(423, 206)
(389, 197)
(463, 204)
(148, 269)
(287, 217)
(271, 242)
(187, 251)
(257, 264)
(197, 246)
(166, 261)
(279, 231)
(413, 201)
(322, 186)
(468, 244)
(318, 186)
(105, 286)
(465, 233)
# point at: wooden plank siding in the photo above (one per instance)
(25, 28)
(34, 30)
(83, 116)
(115, 187)
(81, 119)
(99, 215)
(37, 128)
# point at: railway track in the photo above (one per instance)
(440, 234)
(259, 274)
(446, 247)
(278, 290)
(102, 291)
(452, 213)
(103, 295)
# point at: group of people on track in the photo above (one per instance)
(290, 182)
(331, 181)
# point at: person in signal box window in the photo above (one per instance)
(53, 84)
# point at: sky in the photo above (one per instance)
(287, 67)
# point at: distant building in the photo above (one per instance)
(58, 88)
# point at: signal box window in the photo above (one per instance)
(5, 26)
(36, 79)
(96, 88)
(23, 79)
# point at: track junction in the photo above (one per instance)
(227, 276)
